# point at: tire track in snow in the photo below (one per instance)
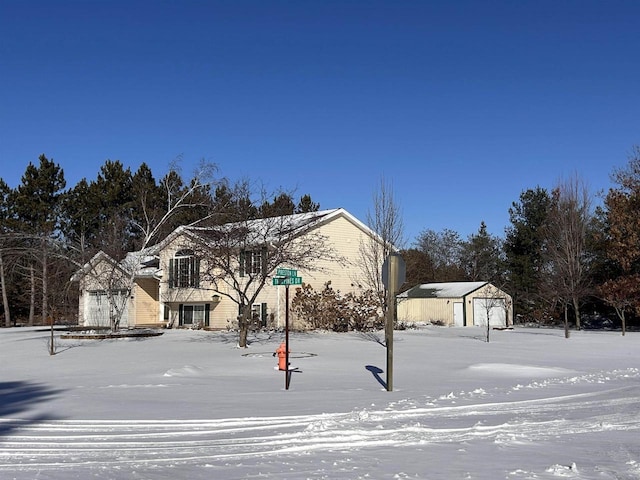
(87, 444)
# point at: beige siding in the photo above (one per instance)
(102, 275)
(341, 233)
(441, 309)
(146, 307)
(151, 297)
(425, 310)
(171, 298)
(345, 237)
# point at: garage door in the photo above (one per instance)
(98, 308)
(495, 308)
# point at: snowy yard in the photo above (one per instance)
(190, 405)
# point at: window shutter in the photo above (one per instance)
(207, 312)
(196, 272)
(180, 314)
(263, 314)
(243, 258)
(264, 261)
(171, 274)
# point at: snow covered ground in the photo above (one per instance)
(190, 405)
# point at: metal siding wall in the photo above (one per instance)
(426, 310)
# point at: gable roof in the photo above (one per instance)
(271, 229)
(442, 290)
(145, 264)
(91, 264)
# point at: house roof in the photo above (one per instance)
(145, 264)
(274, 229)
(442, 290)
(95, 260)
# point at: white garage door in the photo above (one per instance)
(495, 309)
(98, 308)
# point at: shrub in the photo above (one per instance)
(330, 310)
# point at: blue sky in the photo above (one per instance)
(461, 105)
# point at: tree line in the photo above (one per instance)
(49, 231)
(560, 258)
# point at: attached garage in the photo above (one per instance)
(456, 304)
(98, 308)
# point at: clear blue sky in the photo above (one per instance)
(462, 105)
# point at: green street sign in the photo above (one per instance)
(287, 281)
(286, 272)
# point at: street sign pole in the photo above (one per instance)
(286, 277)
(393, 276)
(286, 338)
(389, 331)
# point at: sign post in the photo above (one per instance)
(393, 276)
(286, 339)
(286, 277)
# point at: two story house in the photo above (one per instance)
(198, 276)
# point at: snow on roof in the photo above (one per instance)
(272, 229)
(442, 290)
(145, 262)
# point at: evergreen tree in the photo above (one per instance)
(36, 206)
(523, 248)
(482, 257)
(81, 220)
(282, 205)
(306, 205)
(114, 189)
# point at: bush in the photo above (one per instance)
(330, 310)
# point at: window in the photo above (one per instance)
(253, 262)
(194, 315)
(256, 262)
(184, 270)
(259, 314)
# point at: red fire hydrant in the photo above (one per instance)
(282, 356)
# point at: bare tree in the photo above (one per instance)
(239, 258)
(116, 280)
(445, 250)
(5, 298)
(385, 220)
(493, 299)
(567, 259)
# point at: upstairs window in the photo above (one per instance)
(253, 262)
(184, 270)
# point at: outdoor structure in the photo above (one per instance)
(168, 285)
(456, 304)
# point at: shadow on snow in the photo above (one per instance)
(17, 397)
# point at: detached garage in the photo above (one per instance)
(456, 304)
